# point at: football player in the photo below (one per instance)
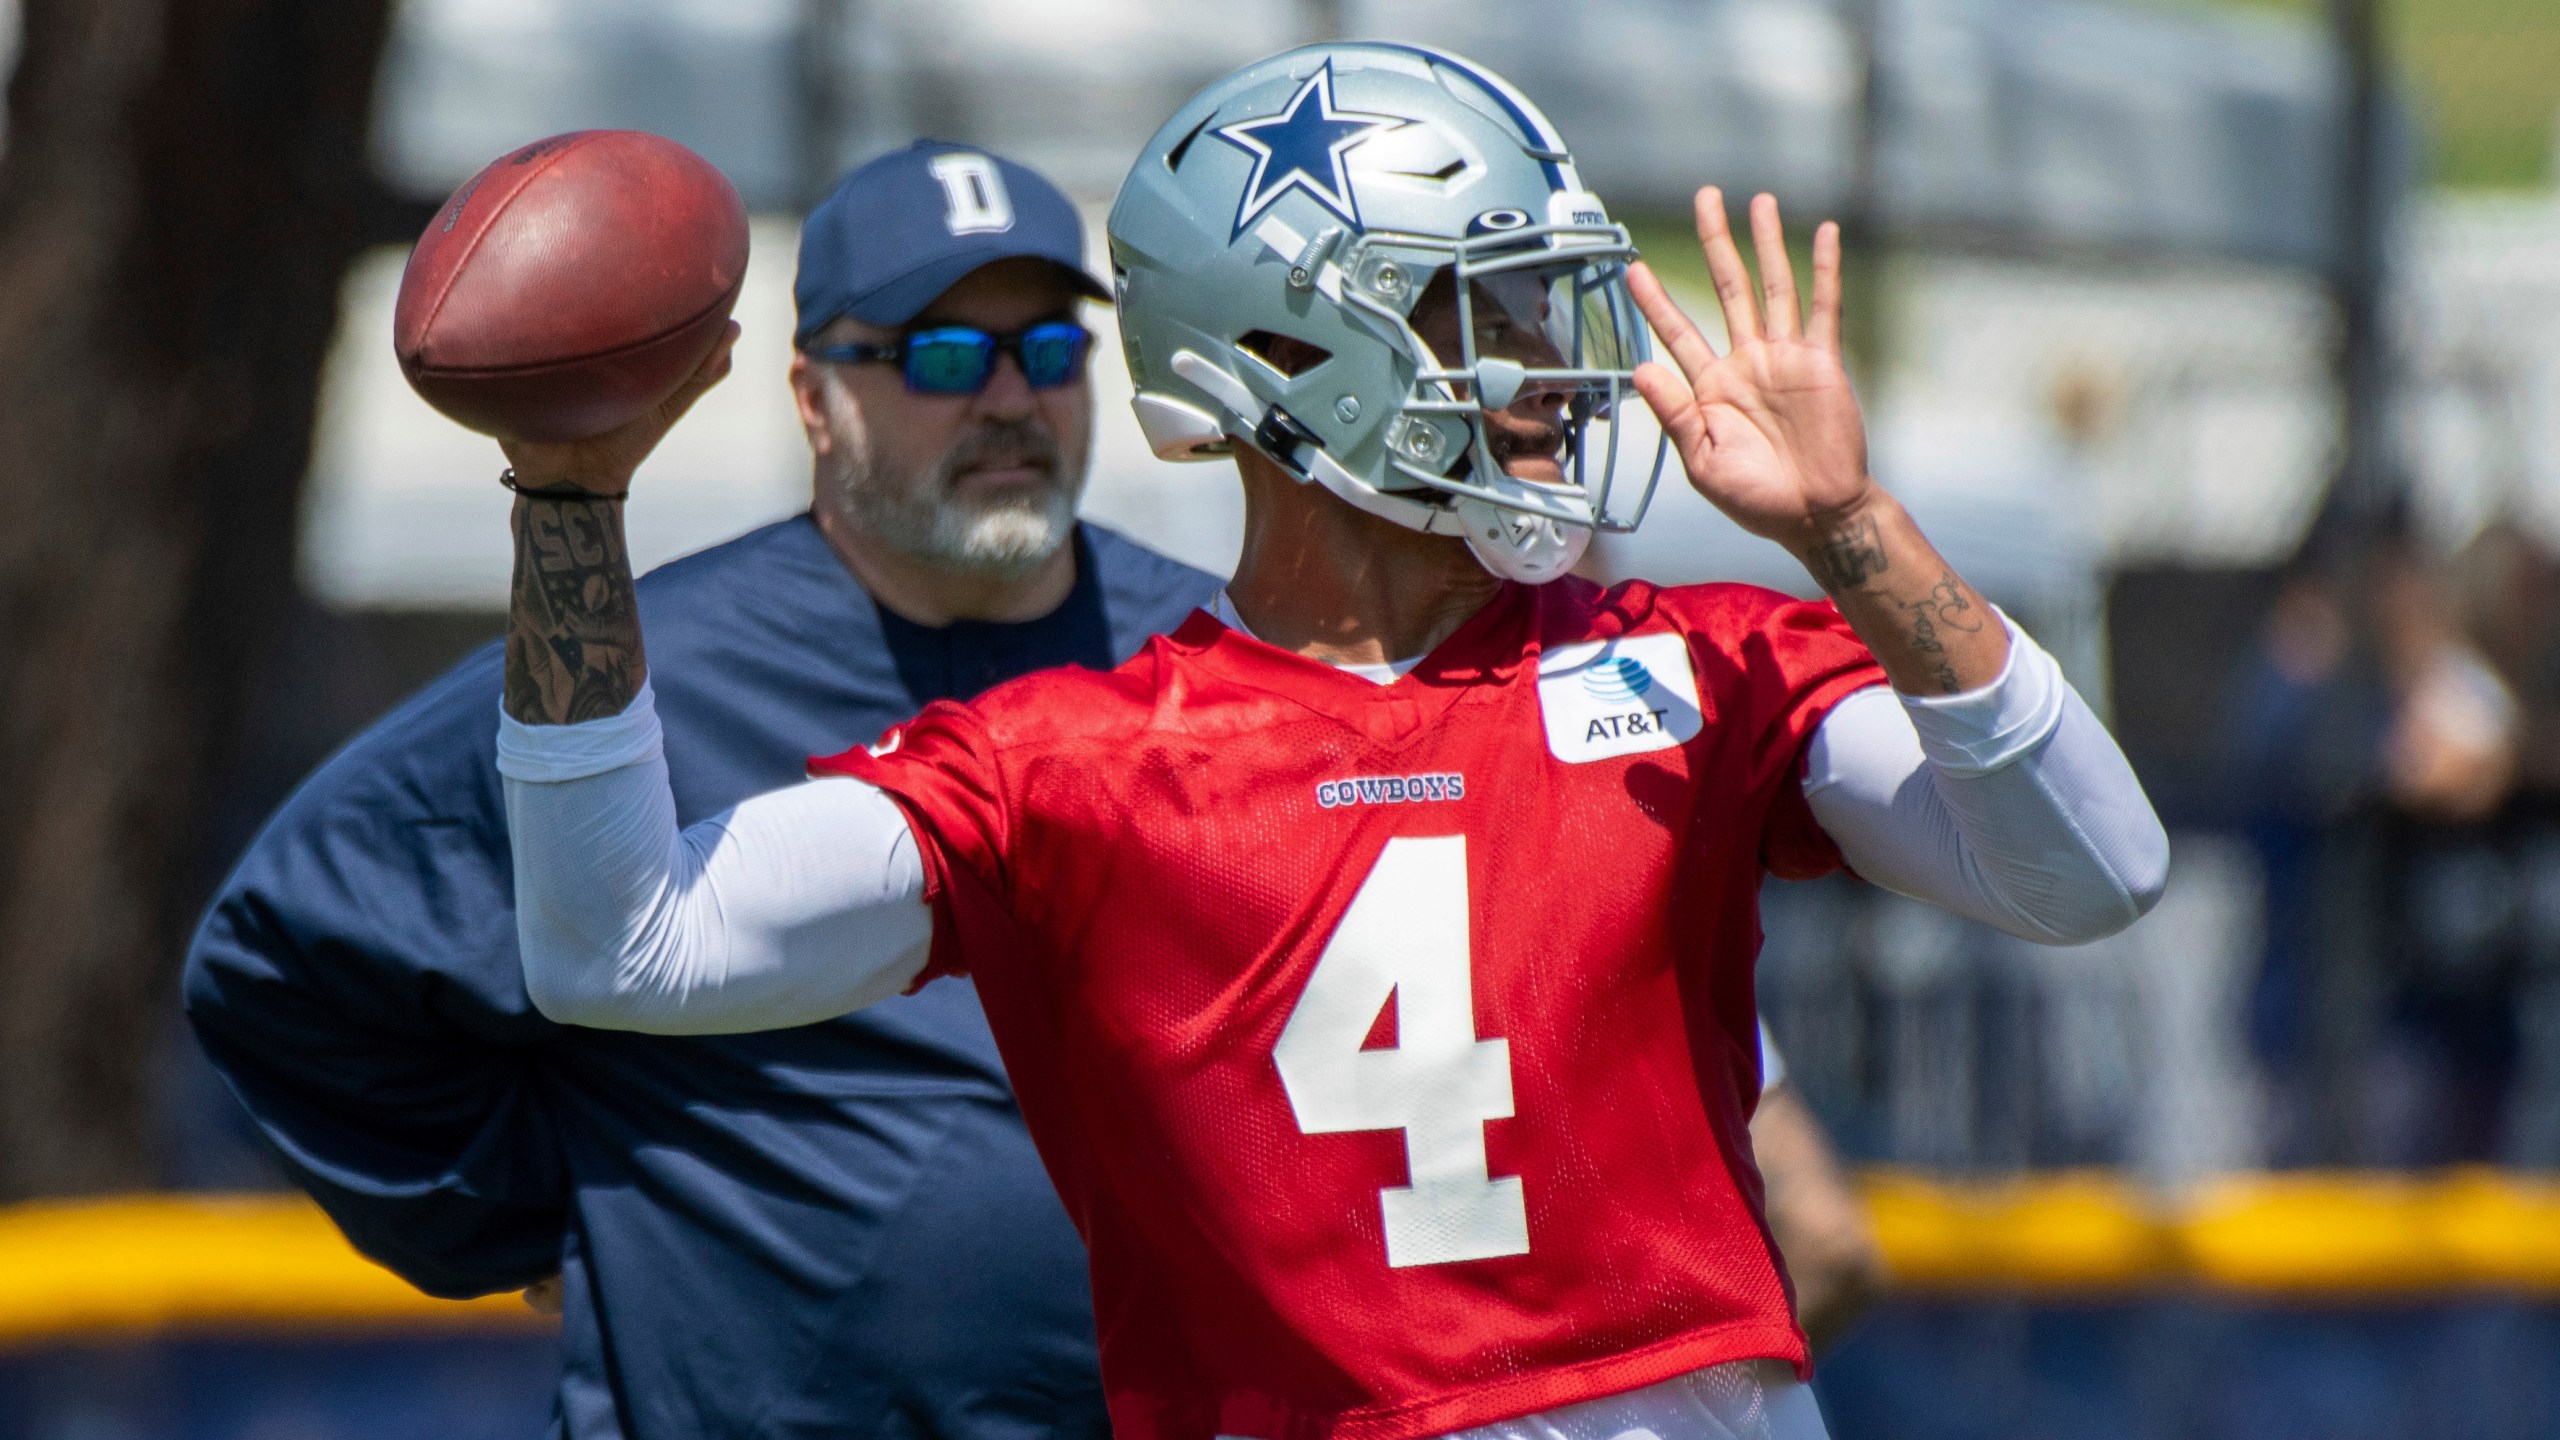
(1373, 955)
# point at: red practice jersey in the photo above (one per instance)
(1392, 1046)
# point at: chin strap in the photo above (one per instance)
(1528, 548)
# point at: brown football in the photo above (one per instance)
(571, 285)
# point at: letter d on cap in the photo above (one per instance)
(974, 191)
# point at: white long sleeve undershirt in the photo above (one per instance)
(2010, 805)
(789, 908)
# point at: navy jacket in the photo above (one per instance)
(837, 1230)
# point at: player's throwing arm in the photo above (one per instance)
(793, 907)
(504, 325)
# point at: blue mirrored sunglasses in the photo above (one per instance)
(960, 359)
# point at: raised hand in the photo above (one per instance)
(574, 650)
(1770, 432)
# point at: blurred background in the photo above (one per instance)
(2220, 343)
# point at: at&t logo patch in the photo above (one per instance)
(1606, 698)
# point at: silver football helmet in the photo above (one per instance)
(1375, 264)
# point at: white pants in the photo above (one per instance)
(1743, 1400)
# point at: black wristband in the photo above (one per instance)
(507, 478)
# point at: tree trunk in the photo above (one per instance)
(182, 189)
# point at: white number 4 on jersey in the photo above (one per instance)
(1405, 935)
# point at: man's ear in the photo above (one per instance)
(809, 397)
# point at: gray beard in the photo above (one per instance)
(1004, 538)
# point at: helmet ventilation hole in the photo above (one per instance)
(1182, 147)
(1287, 355)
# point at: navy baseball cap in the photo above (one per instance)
(905, 227)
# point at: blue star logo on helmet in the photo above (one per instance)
(1302, 148)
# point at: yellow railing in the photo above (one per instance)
(148, 1264)
(2295, 1235)
(140, 1264)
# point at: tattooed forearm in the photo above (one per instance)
(1948, 607)
(1848, 556)
(573, 631)
(1932, 632)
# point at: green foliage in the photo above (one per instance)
(2488, 80)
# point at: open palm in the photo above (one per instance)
(1770, 432)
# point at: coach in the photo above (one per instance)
(834, 1230)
